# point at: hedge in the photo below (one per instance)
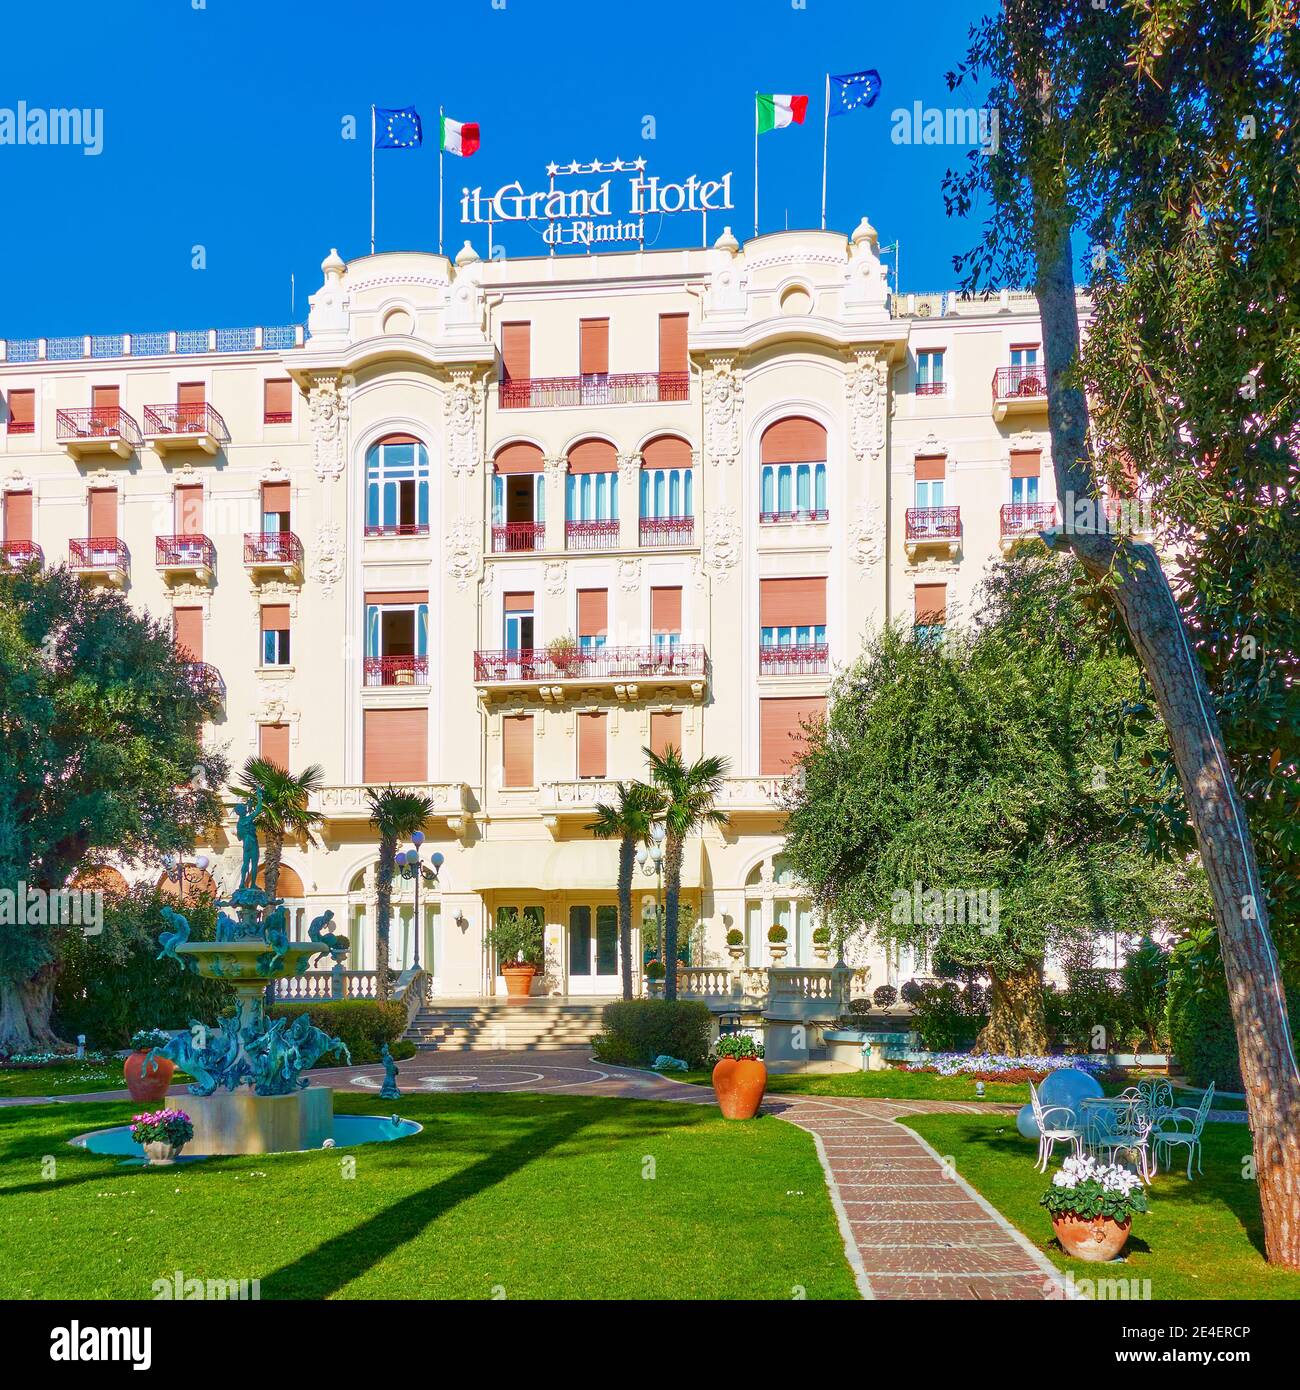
(1203, 1038)
(365, 1025)
(639, 1030)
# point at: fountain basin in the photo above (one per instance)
(347, 1131)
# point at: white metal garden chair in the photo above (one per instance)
(1169, 1132)
(1052, 1132)
(1123, 1124)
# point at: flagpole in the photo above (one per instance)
(756, 164)
(826, 130)
(372, 179)
(440, 180)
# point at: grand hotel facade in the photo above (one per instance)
(715, 470)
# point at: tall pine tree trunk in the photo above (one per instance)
(1016, 1026)
(672, 906)
(626, 860)
(1146, 605)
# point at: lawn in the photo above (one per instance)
(1201, 1240)
(62, 1078)
(521, 1196)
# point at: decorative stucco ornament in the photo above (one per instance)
(327, 566)
(557, 576)
(722, 398)
(325, 406)
(629, 575)
(463, 407)
(464, 552)
(867, 391)
(721, 542)
(866, 540)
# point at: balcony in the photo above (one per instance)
(20, 426)
(793, 518)
(100, 558)
(397, 670)
(575, 801)
(809, 659)
(664, 532)
(194, 426)
(183, 557)
(97, 430)
(629, 671)
(1023, 521)
(599, 388)
(932, 526)
(399, 529)
(518, 537)
(591, 535)
(453, 804)
(931, 388)
(273, 552)
(204, 678)
(1019, 391)
(16, 554)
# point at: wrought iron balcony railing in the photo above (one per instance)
(595, 388)
(272, 548)
(97, 422)
(518, 536)
(397, 670)
(1026, 518)
(659, 532)
(590, 535)
(193, 419)
(796, 515)
(203, 676)
(807, 659)
(99, 553)
(933, 523)
(175, 552)
(399, 529)
(931, 388)
(596, 663)
(1019, 382)
(18, 553)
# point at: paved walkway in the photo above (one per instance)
(913, 1228)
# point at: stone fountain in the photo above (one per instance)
(248, 1094)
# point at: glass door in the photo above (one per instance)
(593, 950)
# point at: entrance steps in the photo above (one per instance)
(491, 1025)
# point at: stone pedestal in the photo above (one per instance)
(239, 1122)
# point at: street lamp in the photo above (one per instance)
(651, 859)
(413, 870)
(174, 867)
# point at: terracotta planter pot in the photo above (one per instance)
(151, 1085)
(739, 1083)
(1095, 1239)
(519, 980)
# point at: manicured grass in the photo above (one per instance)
(888, 1085)
(1201, 1239)
(62, 1078)
(538, 1196)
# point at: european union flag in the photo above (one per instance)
(852, 90)
(397, 129)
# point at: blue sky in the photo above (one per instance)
(223, 129)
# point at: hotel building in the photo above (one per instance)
(715, 470)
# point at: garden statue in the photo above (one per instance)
(276, 935)
(246, 814)
(169, 940)
(335, 946)
(227, 927)
(388, 1091)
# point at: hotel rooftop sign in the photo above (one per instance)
(595, 213)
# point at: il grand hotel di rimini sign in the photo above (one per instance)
(587, 216)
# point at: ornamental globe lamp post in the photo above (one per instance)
(174, 867)
(413, 869)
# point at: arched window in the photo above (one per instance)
(518, 498)
(397, 487)
(667, 479)
(793, 476)
(775, 898)
(591, 493)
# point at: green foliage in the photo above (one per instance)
(738, 1046)
(112, 984)
(1121, 1199)
(947, 1017)
(516, 938)
(642, 1029)
(736, 937)
(395, 814)
(101, 748)
(365, 1025)
(143, 1039)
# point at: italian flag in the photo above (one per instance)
(776, 110)
(461, 137)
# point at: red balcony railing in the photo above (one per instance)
(1025, 518)
(277, 417)
(98, 422)
(1009, 382)
(272, 548)
(933, 523)
(400, 529)
(809, 659)
(21, 426)
(787, 518)
(598, 663)
(660, 531)
(204, 677)
(397, 670)
(99, 553)
(931, 388)
(176, 551)
(18, 553)
(193, 418)
(518, 535)
(590, 535)
(598, 388)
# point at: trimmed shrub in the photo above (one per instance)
(947, 1017)
(639, 1030)
(365, 1025)
(883, 996)
(735, 937)
(859, 1008)
(910, 992)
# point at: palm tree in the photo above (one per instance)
(395, 814)
(629, 823)
(688, 794)
(285, 809)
